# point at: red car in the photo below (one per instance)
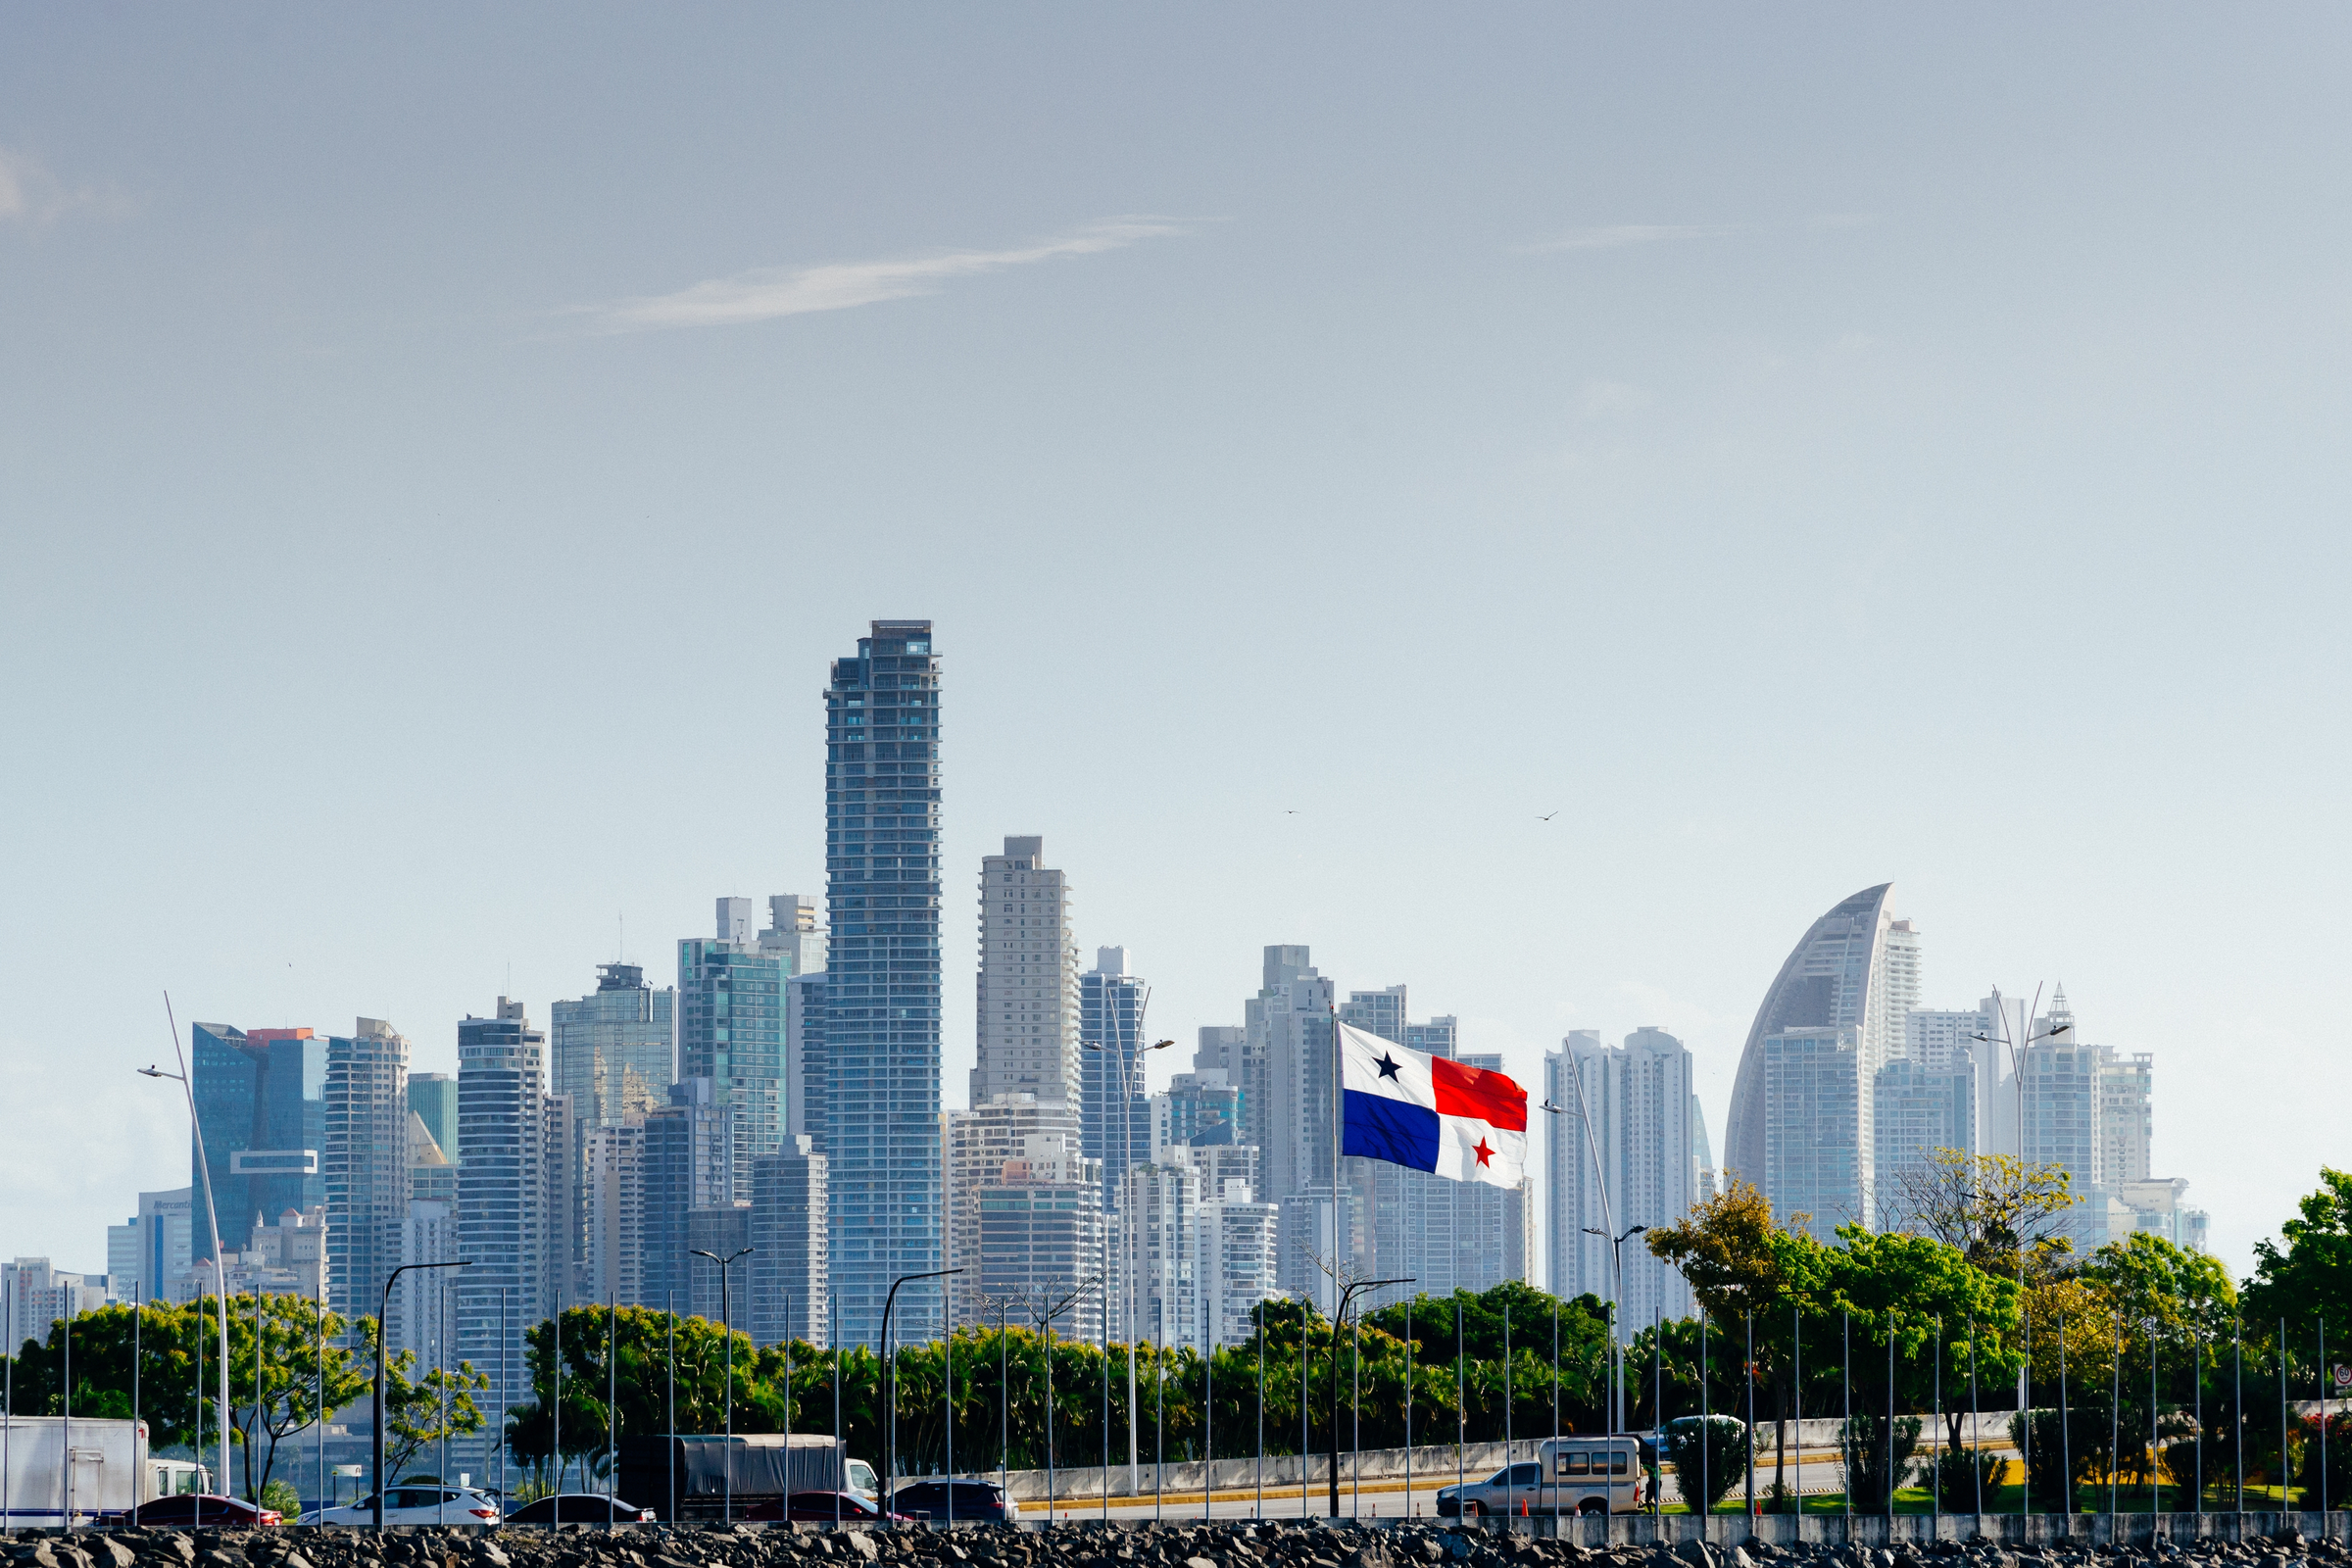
(823, 1507)
(190, 1508)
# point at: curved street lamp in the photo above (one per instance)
(1339, 1325)
(890, 1401)
(1130, 1093)
(212, 1217)
(726, 1325)
(382, 1313)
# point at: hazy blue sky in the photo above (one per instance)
(1802, 447)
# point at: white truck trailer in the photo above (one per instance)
(52, 1470)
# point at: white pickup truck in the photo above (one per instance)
(1566, 1475)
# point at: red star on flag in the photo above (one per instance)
(1486, 1155)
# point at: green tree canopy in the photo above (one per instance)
(2310, 1276)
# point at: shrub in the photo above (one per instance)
(1958, 1472)
(1865, 1443)
(1726, 1446)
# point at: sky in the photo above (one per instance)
(1536, 502)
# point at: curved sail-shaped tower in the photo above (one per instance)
(1835, 978)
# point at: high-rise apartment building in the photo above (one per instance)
(882, 997)
(433, 1101)
(611, 1265)
(611, 1048)
(731, 1006)
(1916, 1110)
(1233, 1237)
(1835, 978)
(504, 1215)
(1621, 1152)
(39, 1296)
(1196, 1106)
(1289, 1097)
(259, 1098)
(689, 1164)
(151, 1251)
(1028, 979)
(789, 1266)
(363, 1162)
(1819, 1143)
(1110, 1016)
(1018, 1140)
(796, 933)
(1937, 1038)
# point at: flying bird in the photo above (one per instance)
(1548, 815)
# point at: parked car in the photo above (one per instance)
(190, 1508)
(823, 1507)
(581, 1508)
(939, 1501)
(1567, 1476)
(414, 1504)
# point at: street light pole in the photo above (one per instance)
(382, 1312)
(890, 1401)
(2017, 1067)
(1130, 1079)
(1613, 1407)
(726, 1327)
(1338, 1323)
(212, 1216)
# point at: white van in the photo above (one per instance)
(1566, 1475)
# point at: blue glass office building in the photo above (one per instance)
(881, 1023)
(259, 1098)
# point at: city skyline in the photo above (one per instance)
(1741, 397)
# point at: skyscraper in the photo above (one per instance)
(790, 1243)
(1028, 979)
(1288, 1097)
(689, 1164)
(882, 823)
(257, 1095)
(1819, 1139)
(1633, 1162)
(1835, 978)
(731, 1006)
(433, 1099)
(364, 1163)
(1917, 1108)
(611, 1048)
(503, 1214)
(1110, 1015)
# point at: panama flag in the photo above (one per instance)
(1430, 1113)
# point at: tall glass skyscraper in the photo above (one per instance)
(1117, 1116)
(882, 985)
(259, 1096)
(609, 1050)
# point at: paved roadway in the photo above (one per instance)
(1384, 1500)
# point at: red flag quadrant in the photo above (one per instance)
(1429, 1112)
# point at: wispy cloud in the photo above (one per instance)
(30, 194)
(1616, 237)
(766, 293)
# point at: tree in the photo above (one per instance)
(167, 1394)
(1746, 1269)
(1991, 1207)
(2310, 1277)
(293, 1361)
(418, 1411)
